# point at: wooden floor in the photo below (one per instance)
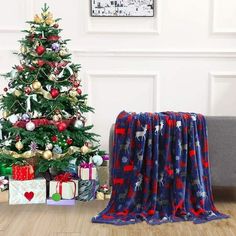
(43, 220)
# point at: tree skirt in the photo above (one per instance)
(160, 170)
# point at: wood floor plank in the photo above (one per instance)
(38, 220)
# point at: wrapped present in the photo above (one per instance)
(5, 170)
(87, 171)
(65, 186)
(103, 192)
(22, 172)
(103, 175)
(105, 160)
(100, 196)
(87, 190)
(27, 192)
(3, 183)
(108, 196)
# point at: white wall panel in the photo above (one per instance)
(110, 93)
(223, 16)
(222, 93)
(162, 62)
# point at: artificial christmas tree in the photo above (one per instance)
(43, 107)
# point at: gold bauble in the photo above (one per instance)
(38, 19)
(23, 49)
(84, 149)
(47, 155)
(52, 77)
(19, 145)
(62, 52)
(17, 93)
(55, 118)
(49, 21)
(73, 93)
(36, 85)
(5, 114)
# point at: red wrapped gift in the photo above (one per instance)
(22, 172)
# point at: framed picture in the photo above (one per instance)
(122, 8)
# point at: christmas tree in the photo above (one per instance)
(43, 107)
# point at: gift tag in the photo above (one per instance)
(56, 197)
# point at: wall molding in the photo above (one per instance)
(158, 54)
(155, 76)
(212, 76)
(201, 54)
(214, 31)
(28, 12)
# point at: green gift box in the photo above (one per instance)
(5, 170)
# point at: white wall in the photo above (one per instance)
(183, 59)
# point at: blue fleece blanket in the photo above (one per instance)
(160, 170)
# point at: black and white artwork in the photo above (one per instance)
(122, 7)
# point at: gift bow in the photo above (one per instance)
(104, 188)
(86, 165)
(66, 177)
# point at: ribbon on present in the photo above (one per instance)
(104, 188)
(89, 166)
(5, 170)
(64, 178)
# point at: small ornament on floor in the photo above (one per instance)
(3, 183)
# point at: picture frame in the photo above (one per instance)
(122, 8)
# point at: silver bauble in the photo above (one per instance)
(97, 160)
(13, 74)
(30, 126)
(78, 124)
(25, 117)
(13, 118)
(49, 146)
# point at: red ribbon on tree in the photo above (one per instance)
(44, 121)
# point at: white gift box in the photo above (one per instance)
(87, 173)
(69, 190)
(27, 191)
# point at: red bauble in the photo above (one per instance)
(41, 62)
(5, 89)
(69, 141)
(40, 50)
(55, 25)
(53, 38)
(61, 126)
(54, 138)
(79, 91)
(31, 68)
(54, 92)
(27, 90)
(20, 68)
(76, 84)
